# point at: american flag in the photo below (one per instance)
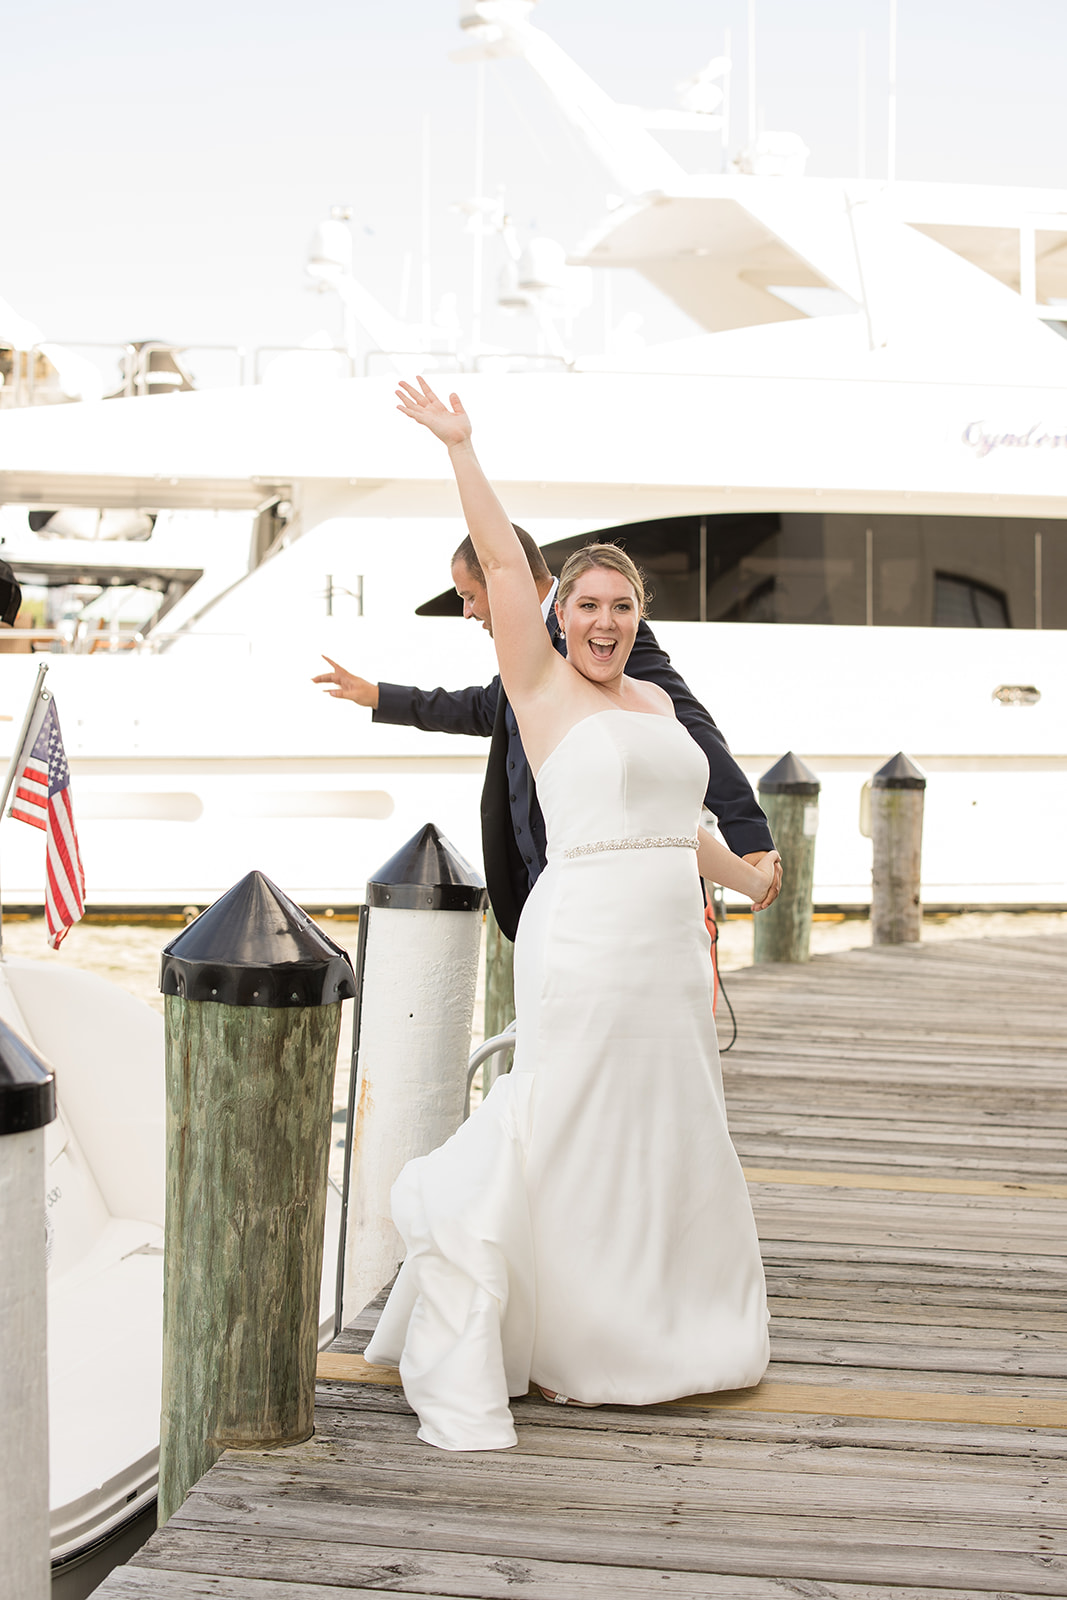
(42, 798)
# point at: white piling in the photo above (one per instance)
(27, 1105)
(418, 965)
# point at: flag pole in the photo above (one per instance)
(39, 693)
(16, 754)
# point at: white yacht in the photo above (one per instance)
(849, 491)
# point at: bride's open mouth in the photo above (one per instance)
(602, 648)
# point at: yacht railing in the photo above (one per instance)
(127, 370)
(33, 379)
(298, 350)
(452, 361)
(421, 360)
(532, 361)
(155, 643)
(140, 377)
(80, 638)
(94, 637)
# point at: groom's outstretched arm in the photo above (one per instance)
(433, 710)
(439, 710)
(741, 820)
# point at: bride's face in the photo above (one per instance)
(599, 619)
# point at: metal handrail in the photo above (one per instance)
(156, 641)
(95, 637)
(131, 359)
(491, 1047)
(82, 637)
(299, 349)
(486, 357)
(416, 356)
(138, 357)
(451, 361)
(123, 351)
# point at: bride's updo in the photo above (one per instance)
(601, 555)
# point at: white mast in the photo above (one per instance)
(753, 129)
(427, 303)
(861, 110)
(725, 113)
(478, 219)
(892, 154)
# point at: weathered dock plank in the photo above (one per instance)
(902, 1118)
(408, 1575)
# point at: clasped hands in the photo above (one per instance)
(768, 862)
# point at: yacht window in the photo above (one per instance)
(667, 552)
(960, 603)
(758, 605)
(839, 569)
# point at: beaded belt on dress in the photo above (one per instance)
(660, 842)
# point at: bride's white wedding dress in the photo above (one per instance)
(589, 1227)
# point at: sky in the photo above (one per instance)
(163, 166)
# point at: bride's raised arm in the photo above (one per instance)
(525, 654)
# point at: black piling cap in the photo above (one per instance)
(900, 773)
(789, 776)
(427, 874)
(27, 1086)
(255, 947)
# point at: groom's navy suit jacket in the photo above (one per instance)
(513, 829)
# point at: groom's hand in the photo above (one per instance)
(348, 686)
(754, 860)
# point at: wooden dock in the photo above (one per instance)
(902, 1116)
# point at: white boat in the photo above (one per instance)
(850, 492)
(104, 1202)
(104, 1197)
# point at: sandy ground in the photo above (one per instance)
(128, 954)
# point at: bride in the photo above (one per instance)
(589, 1227)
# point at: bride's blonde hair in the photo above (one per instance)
(601, 555)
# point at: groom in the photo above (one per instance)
(513, 829)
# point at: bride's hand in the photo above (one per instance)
(450, 426)
(770, 869)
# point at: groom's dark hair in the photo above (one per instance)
(538, 565)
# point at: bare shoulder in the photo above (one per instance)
(648, 696)
(561, 699)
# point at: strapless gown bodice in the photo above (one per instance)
(589, 1227)
(621, 775)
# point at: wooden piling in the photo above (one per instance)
(499, 995)
(898, 792)
(253, 1014)
(789, 794)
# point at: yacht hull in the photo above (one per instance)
(187, 774)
